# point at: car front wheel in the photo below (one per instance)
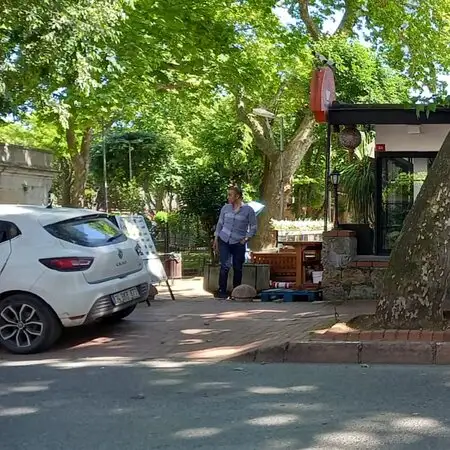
(27, 325)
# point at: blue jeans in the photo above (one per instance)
(228, 253)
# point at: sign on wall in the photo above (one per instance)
(322, 93)
(136, 228)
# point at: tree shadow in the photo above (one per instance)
(161, 404)
(186, 329)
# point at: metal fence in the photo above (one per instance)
(184, 250)
(173, 239)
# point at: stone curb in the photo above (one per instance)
(345, 352)
(383, 335)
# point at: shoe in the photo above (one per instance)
(221, 296)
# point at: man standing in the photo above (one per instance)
(236, 226)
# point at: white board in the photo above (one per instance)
(136, 228)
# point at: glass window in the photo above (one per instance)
(400, 180)
(87, 231)
(8, 231)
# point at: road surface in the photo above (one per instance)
(149, 405)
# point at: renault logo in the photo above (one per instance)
(120, 253)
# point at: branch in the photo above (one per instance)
(176, 86)
(278, 95)
(261, 131)
(311, 27)
(349, 19)
(71, 138)
(299, 144)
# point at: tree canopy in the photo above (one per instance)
(195, 71)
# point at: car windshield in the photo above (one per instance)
(87, 231)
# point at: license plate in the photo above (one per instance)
(125, 296)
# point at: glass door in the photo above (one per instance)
(400, 177)
(397, 196)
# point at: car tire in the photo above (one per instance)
(119, 315)
(27, 324)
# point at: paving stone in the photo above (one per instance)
(390, 335)
(402, 335)
(438, 336)
(415, 335)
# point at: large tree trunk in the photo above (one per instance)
(78, 167)
(276, 181)
(270, 194)
(416, 282)
(64, 177)
(159, 199)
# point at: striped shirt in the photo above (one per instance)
(234, 226)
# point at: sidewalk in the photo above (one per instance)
(197, 327)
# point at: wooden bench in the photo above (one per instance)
(282, 265)
(293, 266)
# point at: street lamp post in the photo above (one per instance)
(130, 161)
(105, 175)
(261, 112)
(130, 150)
(334, 176)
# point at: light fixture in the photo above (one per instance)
(334, 177)
(261, 112)
(350, 137)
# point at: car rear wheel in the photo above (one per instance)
(27, 325)
(119, 315)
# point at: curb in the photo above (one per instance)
(344, 352)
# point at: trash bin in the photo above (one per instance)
(173, 265)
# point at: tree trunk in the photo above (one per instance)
(416, 281)
(273, 181)
(270, 189)
(159, 200)
(64, 178)
(80, 169)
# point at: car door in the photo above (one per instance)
(7, 232)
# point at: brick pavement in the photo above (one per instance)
(197, 327)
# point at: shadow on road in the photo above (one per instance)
(159, 404)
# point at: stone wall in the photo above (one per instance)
(26, 175)
(346, 275)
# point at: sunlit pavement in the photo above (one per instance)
(155, 404)
(196, 327)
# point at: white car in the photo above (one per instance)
(63, 267)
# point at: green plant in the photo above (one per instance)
(127, 197)
(358, 183)
(298, 225)
(403, 182)
(161, 217)
(203, 194)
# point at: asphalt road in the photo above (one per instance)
(156, 405)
